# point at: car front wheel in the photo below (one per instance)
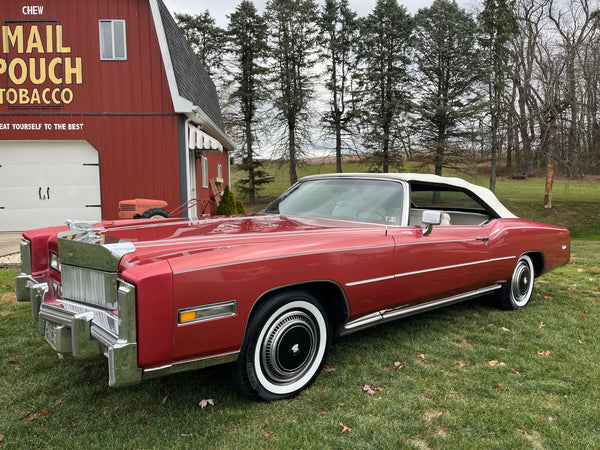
(516, 292)
(286, 342)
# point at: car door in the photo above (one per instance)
(454, 259)
(450, 261)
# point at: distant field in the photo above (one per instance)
(576, 203)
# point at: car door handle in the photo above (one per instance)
(485, 240)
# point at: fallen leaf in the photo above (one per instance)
(492, 363)
(396, 366)
(204, 403)
(548, 297)
(345, 428)
(504, 329)
(5, 286)
(514, 371)
(1, 438)
(420, 355)
(541, 325)
(476, 314)
(585, 311)
(544, 353)
(584, 318)
(186, 435)
(579, 270)
(497, 387)
(269, 433)
(368, 390)
(15, 364)
(322, 413)
(75, 425)
(580, 341)
(164, 400)
(146, 423)
(460, 364)
(60, 356)
(29, 416)
(523, 431)
(44, 412)
(329, 369)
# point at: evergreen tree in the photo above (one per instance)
(228, 204)
(499, 23)
(293, 50)
(339, 31)
(206, 39)
(449, 66)
(247, 33)
(383, 81)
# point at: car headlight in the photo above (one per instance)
(54, 262)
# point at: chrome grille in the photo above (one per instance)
(89, 286)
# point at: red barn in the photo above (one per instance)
(100, 101)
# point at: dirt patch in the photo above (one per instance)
(9, 299)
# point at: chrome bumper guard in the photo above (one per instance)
(86, 331)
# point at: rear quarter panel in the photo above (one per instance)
(518, 236)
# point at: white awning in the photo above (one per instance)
(198, 139)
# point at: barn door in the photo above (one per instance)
(44, 183)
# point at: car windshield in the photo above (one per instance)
(378, 201)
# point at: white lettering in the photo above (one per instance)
(33, 10)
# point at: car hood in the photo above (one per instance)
(142, 242)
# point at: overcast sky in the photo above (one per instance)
(219, 9)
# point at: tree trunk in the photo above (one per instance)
(250, 163)
(549, 181)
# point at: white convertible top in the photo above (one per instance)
(483, 193)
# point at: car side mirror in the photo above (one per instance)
(429, 219)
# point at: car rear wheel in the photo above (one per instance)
(516, 292)
(286, 342)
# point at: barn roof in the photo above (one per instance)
(192, 90)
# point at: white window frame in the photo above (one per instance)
(219, 171)
(112, 38)
(204, 162)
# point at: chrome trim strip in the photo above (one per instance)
(193, 364)
(454, 266)
(434, 269)
(371, 280)
(387, 315)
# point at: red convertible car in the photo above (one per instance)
(333, 255)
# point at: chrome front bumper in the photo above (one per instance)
(86, 331)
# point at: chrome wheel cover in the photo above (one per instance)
(289, 347)
(521, 285)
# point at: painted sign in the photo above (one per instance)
(37, 67)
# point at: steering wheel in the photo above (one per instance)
(370, 210)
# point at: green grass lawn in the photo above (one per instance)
(471, 377)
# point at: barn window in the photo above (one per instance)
(204, 172)
(219, 171)
(113, 42)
